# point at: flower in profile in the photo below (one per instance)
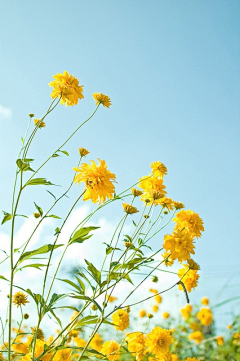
(129, 209)
(98, 181)
(196, 336)
(20, 298)
(166, 315)
(205, 316)
(180, 244)
(190, 221)
(42, 123)
(190, 279)
(150, 184)
(67, 87)
(150, 315)
(102, 99)
(158, 169)
(83, 152)
(155, 308)
(158, 299)
(96, 342)
(205, 301)
(142, 313)
(220, 340)
(136, 344)
(186, 311)
(166, 203)
(120, 319)
(38, 333)
(193, 265)
(111, 298)
(178, 205)
(111, 349)
(167, 259)
(136, 192)
(158, 340)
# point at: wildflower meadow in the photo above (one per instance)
(92, 320)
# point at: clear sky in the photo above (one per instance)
(172, 71)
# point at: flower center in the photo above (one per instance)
(161, 342)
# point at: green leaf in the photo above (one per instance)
(27, 160)
(94, 272)
(82, 235)
(39, 209)
(44, 249)
(109, 250)
(70, 307)
(55, 155)
(134, 224)
(64, 152)
(88, 320)
(128, 237)
(3, 278)
(23, 166)
(39, 181)
(36, 296)
(21, 215)
(128, 279)
(6, 217)
(72, 284)
(53, 216)
(56, 317)
(56, 297)
(35, 265)
(52, 194)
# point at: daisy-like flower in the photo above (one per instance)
(20, 298)
(193, 265)
(205, 316)
(167, 259)
(39, 334)
(98, 181)
(190, 221)
(178, 205)
(166, 203)
(136, 192)
(136, 345)
(103, 99)
(158, 169)
(149, 184)
(42, 123)
(196, 336)
(158, 341)
(67, 87)
(190, 279)
(180, 244)
(111, 349)
(83, 152)
(120, 319)
(129, 209)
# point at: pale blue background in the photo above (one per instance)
(171, 69)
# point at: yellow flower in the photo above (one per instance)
(67, 87)
(142, 313)
(120, 319)
(83, 152)
(166, 315)
(63, 355)
(205, 316)
(80, 342)
(191, 359)
(155, 308)
(40, 334)
(197, 336)
(42, 124)
(129, 209)
(220, 340)
(111, 298)
(158, 340)
(205, 301)
(166, 357)
(36, 214)
(158, 298)
(229, 327)
(150, 184)
(180, 244)
(136, 344)
(96, 342)
(178, 205)
(20, 298)
(158, 169)
(174, 357)
(136, 192)
(153, 290)
(111, 349)
(186, 311)
(166, 203)
(98, 181)
(190, 221)
(193, 265)
(190, 279)
(102, 99)
(168, 261)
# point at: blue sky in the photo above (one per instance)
(172, 71)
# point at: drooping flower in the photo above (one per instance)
(102, 99)
(111, 349)
(189, 220)
(205, 316)
(67, 87)
(20, 298)
(136, 345)
(158, 340)
(158, 169)
(129, 209)
(98, 181)
(120, 319)
(196, 336)
(190, 279)
(180, 244)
